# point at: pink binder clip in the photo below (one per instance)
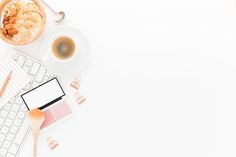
(52, 144)
(75, 83)
(79, 98)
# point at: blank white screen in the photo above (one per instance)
(43, 94)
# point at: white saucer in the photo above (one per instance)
(72, 67)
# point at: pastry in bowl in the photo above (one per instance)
(21, 21)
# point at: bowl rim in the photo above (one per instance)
(3, 3)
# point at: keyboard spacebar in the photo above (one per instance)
(22, 132)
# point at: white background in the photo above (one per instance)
(162, 80)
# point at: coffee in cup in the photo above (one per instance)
(63, 48)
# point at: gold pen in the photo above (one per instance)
(4, 86)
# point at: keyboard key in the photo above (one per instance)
(19, 100)
(10, 155)
(21, 134)
(40, 74)
(26, 68)
(12, 115)
(10, 136)
(35, 84)
(31, 78)
(17, 122)
(21, 60)
(24, 108)
(14, 129)
(3, 151)
(7, 106)
(13, 149)
(21, 115)
(2, 137)
(6, 144)
(45, 79)
(27, 87)
(28, 62)
(3, 114)
(15, 108)
(8, 122)
(48, 74)
(4, 130)
(34, 69)
(1, 121)
(12, 100)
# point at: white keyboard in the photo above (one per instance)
(13, 123)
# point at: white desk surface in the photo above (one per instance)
(162, 80)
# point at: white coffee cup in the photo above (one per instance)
(70, 67)
(58, 37)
